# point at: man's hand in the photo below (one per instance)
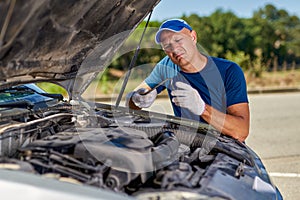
(143, 101)
(187, 97)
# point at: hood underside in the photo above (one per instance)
(67, 42)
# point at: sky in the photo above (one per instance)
(242, 8)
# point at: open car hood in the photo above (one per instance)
(66, 42)
(105, 151)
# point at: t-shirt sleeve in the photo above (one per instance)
(155, 78)
(163, 70)
(236, 88)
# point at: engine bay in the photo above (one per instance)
(133, 153)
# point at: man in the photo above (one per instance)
(200, 87)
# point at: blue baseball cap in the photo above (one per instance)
(174, 25)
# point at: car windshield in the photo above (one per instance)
(14, 93)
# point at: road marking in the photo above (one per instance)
(289, 175)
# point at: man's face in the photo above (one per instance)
(180, 47)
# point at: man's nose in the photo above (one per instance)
(173, 47)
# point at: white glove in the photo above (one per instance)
(188, 97)
(144, 101)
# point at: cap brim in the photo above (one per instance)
(157, 36)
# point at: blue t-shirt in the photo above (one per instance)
(221, 83)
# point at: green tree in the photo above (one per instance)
(268, 40)
(219, 33)
(278, 35)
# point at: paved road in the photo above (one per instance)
(274, 136)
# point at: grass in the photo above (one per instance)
(275, 79)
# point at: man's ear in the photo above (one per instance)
(194, 36)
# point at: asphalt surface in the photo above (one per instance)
(274, 136)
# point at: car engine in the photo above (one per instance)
(130, 152)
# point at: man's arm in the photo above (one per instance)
(235, 123)
(143, 85)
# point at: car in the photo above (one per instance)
(73, 148)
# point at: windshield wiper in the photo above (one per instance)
(59, 97)
(18, 104)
